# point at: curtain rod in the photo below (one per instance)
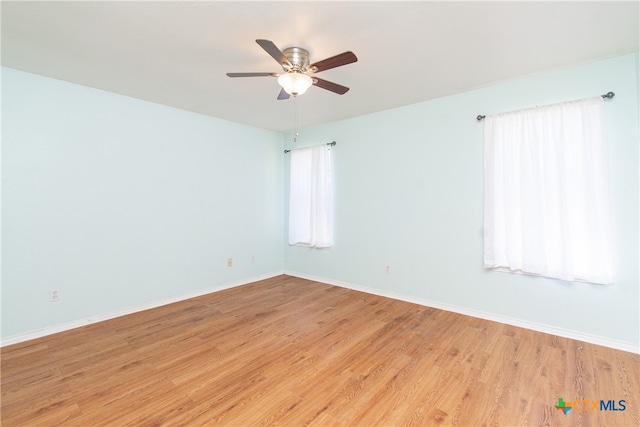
(332, 143)
(607, 95)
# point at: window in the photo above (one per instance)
(310, 197)
(546, 192)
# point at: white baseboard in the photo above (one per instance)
(566, 333)
(548, 329)
(129, 310)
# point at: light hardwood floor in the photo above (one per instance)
(288, 351)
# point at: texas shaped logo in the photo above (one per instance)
(563, 406)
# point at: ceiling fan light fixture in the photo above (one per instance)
(295, 83)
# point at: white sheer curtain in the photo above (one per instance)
(310, 197)
(546, 192)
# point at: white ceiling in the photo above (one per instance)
(177, 53)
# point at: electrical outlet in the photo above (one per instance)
(54, 295)
(230, 262)
(253, 259)
(388, 269)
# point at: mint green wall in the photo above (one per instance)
(118, 202)
(408, 193)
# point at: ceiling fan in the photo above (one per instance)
(295, 62)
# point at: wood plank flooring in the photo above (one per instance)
(292, 352)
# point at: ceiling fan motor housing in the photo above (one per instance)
(298, 57)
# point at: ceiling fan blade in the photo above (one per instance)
(333, 62)
(283, 95)
(252, 74)
(333, 87)
(273, 50)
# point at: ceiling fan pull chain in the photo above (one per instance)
(295, 114)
